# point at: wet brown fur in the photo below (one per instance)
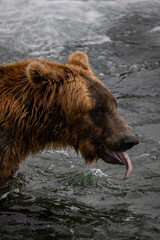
(46, 104)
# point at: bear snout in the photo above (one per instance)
(128, 141)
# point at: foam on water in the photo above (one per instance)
(155, 29)
(43, 28)
(42, 25)
(98, 172)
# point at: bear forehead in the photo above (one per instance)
(101, 95)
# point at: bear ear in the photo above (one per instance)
(39, 73)
(80, 59)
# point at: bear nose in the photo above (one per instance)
(128, 141)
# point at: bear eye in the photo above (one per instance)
(101, 109)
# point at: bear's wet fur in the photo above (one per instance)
(45, 104)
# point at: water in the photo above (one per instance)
(54, 195)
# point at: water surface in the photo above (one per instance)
(54, 195)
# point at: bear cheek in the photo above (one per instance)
(86, 137)
(92, 142)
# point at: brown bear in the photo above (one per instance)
(46, 104)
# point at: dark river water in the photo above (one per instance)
(54, 195)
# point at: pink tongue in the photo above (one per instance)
(127, 162)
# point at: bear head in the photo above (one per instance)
(83, 112)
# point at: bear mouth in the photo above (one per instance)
(119, 158)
